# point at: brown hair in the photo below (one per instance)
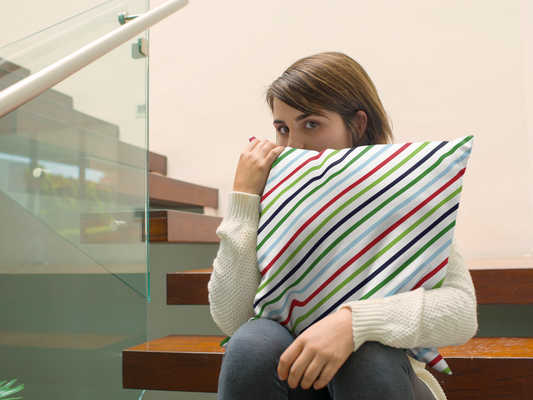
(334, 82)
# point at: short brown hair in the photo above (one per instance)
(334, 82)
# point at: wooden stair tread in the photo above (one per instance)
(171, 226)
(157, 163)
(40, 115)
(164, 190)
(496, 347)
(166, 226)
(208, 344)
(503, 286)
(491, 347)
(192, 363)
(188, 287)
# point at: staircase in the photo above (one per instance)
(484, 368)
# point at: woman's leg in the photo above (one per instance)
(376, 371)
(250, 366)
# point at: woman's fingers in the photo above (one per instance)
(327, 374)
(254, 166)
(312, 372)
(287, 359)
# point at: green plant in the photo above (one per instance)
(6, 390)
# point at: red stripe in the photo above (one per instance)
(431, 273)
(265, 270)
(435, 361)
(291, 174)
(297, 303)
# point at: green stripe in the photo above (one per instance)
(376, 257)
(412, 183)
(280, 158)
(409, 261)
(338, 210)
(447, 370)
(223, 342)
(438, 285)
(367, 148)
(315, 168)
(359, 223)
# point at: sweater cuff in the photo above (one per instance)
(368, 322)
(243, 206)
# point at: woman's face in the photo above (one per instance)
(309, 132)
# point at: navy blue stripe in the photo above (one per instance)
(388, 262)
(278, 210)
(346, 218)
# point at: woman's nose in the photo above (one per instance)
(296, 141)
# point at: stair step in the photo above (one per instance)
(188, 287)
(181, 227)
(503, 286)
(69, 142)
(489, 368)
(157, 163)
(11, 73)
(40, 115)
(166, 226)
(482, 368)
(493, 286)
(115, 183)
(165, 191)
(177, 363)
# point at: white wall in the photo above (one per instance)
(443, 70)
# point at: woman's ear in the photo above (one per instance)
(359, 121)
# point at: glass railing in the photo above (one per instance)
(73, 199)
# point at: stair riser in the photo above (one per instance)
(180, 227)
(40, 115)
(163, 189)
(488, 378)
(492, 287)
(49, 139)
(173, 372)
(165, 226)
(471, 379)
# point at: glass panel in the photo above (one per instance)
(73, 196)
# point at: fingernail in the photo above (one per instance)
(251, 138)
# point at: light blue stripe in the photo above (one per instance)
(302, 153)
(359, 238)
(429, 260)
(280, 237)
(423, 353)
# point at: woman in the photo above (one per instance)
(326, 101)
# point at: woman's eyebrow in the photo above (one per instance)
(298, 118)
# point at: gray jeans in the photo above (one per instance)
(374, 371)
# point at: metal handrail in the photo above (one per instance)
(30, 87)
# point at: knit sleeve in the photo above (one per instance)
(444, 316)
(235, 276)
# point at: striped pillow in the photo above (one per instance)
(354, 224)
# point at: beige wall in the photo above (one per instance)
(443, 70)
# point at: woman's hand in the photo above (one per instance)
(318, 353)
(254, 166)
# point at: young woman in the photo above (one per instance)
(326, 101)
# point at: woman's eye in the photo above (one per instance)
(283, 130)
(311, 124)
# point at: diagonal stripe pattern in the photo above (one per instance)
(355, 224)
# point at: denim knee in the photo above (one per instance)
(249, 367)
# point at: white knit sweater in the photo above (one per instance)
(445, 316)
